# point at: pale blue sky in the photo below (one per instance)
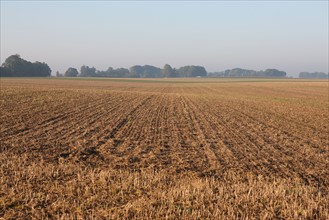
(287, 35)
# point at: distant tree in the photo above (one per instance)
(115, 73)
(20, 67)
(146, 71)
(136, 71)
(238, 72)
(274, 73)
(121, 72)
(183, 71)
(316, 75)
(133, 75)
(17, 65)
(151, 72)
(86, 71)
(5, 72)
(71, 72)
(191, 71)
(110, 72)
(59, 74)
(167, 71)
(216, 74)
(41, 69)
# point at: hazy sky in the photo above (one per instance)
(287, 35)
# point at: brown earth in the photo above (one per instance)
(155, 149)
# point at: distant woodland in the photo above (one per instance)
(15, 66)
(18, 67)
(316, 75)
(238, 72)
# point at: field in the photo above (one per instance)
(164, 149)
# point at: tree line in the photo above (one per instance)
(238, 72)
(137, 71)
(15, 66)
(315, 75)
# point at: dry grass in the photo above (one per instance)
(71, 191)
(137, 150)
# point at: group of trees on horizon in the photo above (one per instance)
(137, 71)
(316, 75)
(15, 66)
(238, 72)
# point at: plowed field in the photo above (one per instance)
(157, 149)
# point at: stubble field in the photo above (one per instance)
(164, 149)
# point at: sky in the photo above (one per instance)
(287, 35)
